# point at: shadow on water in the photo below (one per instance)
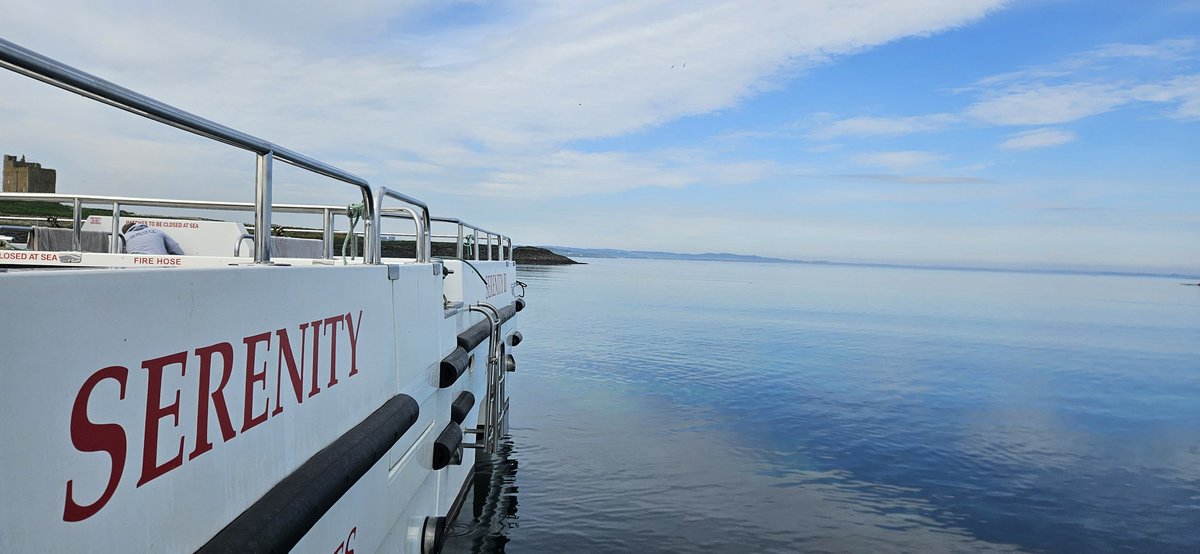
(489, 512)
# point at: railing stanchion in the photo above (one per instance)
(423, 222)
(327, 232)
(114, 239)
(459, 251)
(77, 236)
(262, 210)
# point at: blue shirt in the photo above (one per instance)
(141, 239)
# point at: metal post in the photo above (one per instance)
(475, 243)
(495, 374)
(372, 234)
(372, 242)
(77, 237)
(114, 239)
(459, 251)
(424, 241)
(425, 230)
(327, 233)
(262, 210)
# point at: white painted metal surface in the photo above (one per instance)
(102, 365)
(196, 237)
(143, 410)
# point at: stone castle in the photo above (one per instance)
(22, 176)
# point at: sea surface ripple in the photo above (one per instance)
(742, 407)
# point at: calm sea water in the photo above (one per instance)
(737, 407)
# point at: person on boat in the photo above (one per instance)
(143, 239)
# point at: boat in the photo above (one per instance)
(256, 393)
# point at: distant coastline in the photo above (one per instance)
(726, 257)
(534, 255)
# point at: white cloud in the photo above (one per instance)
(917, 179)
(1037, 138)
(1167, 49)
(884, 126)
(1094, 61)
(1091, 83)
(898, 160)
(568, 173)
(1048, 105)
(1080, 86)
(484, 113)
(1184, 89)
(477, 99)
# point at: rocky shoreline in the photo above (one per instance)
(523, 255)
(533, 255)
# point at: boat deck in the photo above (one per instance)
(256, 393)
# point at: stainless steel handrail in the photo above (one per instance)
(237, 246)
(421, 236)
(31, 64)
(42, 68)
(119, 202)
(494, 395)
(411, 235)
(422, 223)
(489, 235)
(500, 239)
(168, 203)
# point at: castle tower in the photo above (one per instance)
(22, 176)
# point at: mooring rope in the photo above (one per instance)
(355, 213)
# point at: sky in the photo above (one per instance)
(1023, 133)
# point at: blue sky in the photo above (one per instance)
(1050, 133)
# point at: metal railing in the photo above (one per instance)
(404, 212)
(118, 203)
(504, 250)
(42, 68)
(503, 254)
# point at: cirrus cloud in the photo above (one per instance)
(902, 159)
(1037, 138)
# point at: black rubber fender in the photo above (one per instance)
(447, 445)
(507, 313)
(475, 335)
(278, 520)
(453, 366)
(462, 406)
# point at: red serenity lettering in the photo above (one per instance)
(156, 412)
(295, 373)
(96, 437)
(345, 547)
(248, 419)
(218, 396)
(207, 382)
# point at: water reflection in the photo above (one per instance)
(491, 505)
(746, 407)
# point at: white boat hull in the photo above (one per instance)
(124, 432)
